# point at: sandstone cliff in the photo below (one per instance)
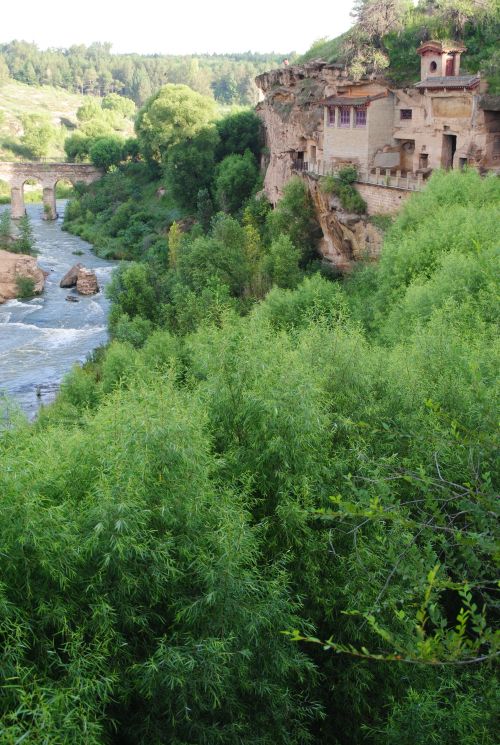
(347, 237)
(292, 115)
(14, 265)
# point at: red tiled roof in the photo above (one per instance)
(441, 46)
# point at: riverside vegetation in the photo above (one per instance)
(266, 512)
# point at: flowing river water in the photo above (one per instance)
(40, 339)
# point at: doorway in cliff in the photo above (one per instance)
(448, 151)
(298, 160)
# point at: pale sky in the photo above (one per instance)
(178, 27)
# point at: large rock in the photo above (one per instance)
(86, 283)
(71, 276)
(13, 266)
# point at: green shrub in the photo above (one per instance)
(25, 286)
(295, 217)
(341, 186)
(281, 264)
(348, 175)
(106, 152)
(235, 180)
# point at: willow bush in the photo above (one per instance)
(322, 463)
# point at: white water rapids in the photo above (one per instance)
(40, 339)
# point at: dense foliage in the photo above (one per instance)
(322, 460)
(95, 71)
(183, 161)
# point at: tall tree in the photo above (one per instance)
(174, 114)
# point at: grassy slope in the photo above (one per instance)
(18, 99)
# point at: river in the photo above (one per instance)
(40, 339)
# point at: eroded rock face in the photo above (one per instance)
(13, 266)
(347, 238)
(292, 115)
(71, 276)
(86, 283)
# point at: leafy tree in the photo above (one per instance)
(133, 293)
(77, 147)
(90, 109)
(171, 116)
(189, 167)
(118, 571)
(204, 209)
(5, 226)
(375, 18)
(106, 152)
(281, 264)
(130, 148)
(38, 134)
(140, 88)
(123, 105)
(295, 217)
(235, 179)
(225, 89)
(174, 244)
(4, 70)
(26, 241)
(220, 256)
(460, 12)
(239, 132)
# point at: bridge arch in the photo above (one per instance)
(16, 174)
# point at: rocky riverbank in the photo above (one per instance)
(14, 266)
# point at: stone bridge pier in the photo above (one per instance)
(48, 174)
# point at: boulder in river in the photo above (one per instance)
(14, 265)
(71, 276)
(86, 283)
(72, 299)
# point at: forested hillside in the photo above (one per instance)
(35, 112)
(96, 71)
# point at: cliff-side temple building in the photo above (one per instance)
(440, 122)
(443, 121)
(317, 121)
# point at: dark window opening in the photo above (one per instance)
(360, 116)
(331, 116)
(450, 66)
(423, 160)
(345, 116)
(433, 66)
(405, 113)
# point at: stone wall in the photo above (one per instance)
(382, 200)
(380, 118)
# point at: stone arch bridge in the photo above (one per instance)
(16, 175)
